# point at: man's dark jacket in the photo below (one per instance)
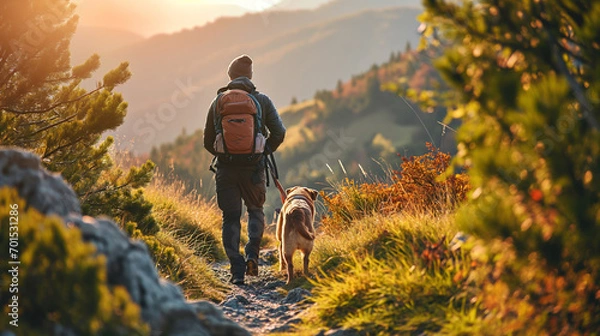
(271, 118)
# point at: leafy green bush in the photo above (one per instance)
(60, 280)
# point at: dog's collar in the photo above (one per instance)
(301, 197)
(297, 196)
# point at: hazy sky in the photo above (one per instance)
(148, 17)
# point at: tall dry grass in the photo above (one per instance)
(188, 240)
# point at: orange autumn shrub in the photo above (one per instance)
(353, 201)
(421, 185)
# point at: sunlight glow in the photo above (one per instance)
(251, 5)
(148, 17)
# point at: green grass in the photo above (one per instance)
(188, 240)
(372, 278)
(192, 273)
(187, 217)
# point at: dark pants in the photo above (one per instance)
(235, 184)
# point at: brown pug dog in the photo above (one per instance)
(295, 230)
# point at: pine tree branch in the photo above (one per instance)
(69, 118)
(58, 80)
(18, 66)
(106, 188)
(578, 92)
(588, 109)
(570, 52)
(37, 122)
(52, 107)
(46, 155)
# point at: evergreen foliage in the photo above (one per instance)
(45, 109)
(527, 74)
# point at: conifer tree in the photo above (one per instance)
(527, 77)
(43, 107)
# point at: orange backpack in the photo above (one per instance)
(238, 124)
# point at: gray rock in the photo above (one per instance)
(279, 311)
(241, 299)
(213, 320)
(254, 325)
(128, 262)
(287, 317)
(293, 322)
(45, 191)
(270, 257)
(236, 303)
(274, 284)
(232, 303)
(296, 295)
(281, 329)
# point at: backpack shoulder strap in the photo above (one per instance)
(261, 117)
(216, 107)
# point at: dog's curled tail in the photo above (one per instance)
(300, 218)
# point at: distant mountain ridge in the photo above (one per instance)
(88, 40)
(176, 76)
(298, 4)
(350, 6)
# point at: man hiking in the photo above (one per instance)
(242, 127)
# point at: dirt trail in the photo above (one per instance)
(259, 305)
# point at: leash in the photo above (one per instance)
(271, 167)
(272, 170)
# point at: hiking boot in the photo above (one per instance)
(252, 267)
(237, 279)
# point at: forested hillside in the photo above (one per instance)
(358, 125)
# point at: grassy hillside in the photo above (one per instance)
(296, 52)
(188, 239)
(385, 261)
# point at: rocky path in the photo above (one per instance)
(261, 305)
